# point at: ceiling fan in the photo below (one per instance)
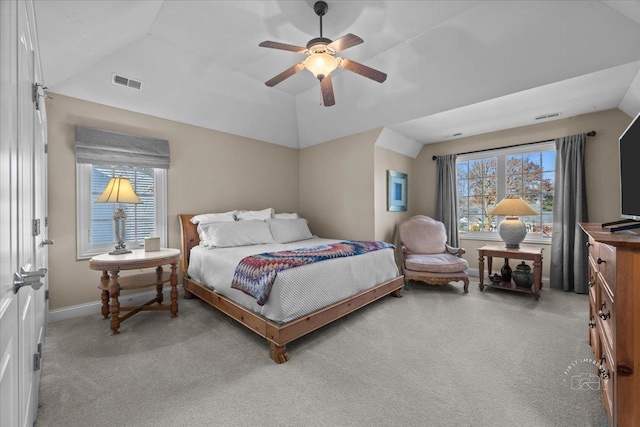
(321, 59)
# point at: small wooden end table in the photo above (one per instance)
(111, 282)
(531, 254)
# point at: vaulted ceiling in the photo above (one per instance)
(465, 67)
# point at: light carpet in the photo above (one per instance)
(435, 357)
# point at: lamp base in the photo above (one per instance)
(120, 251)
(512, 231)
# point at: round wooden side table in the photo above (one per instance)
(111, 283)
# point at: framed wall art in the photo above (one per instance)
(396, 191)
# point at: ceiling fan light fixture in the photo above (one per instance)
(321, 64)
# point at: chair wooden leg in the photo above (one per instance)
(466, 285)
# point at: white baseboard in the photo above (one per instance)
(95, 308)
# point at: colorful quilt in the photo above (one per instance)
(255, 274)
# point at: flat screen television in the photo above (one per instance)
(630, 171)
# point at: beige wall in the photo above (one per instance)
(210, 172)
(337, 187)
(601, 164)
(386, 222)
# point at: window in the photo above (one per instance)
(485, 178)
(95, 220)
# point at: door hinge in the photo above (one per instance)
(46, 295)
(35, 227)
(46, 221)
(37, 358)
(37, 95)
(46, 148)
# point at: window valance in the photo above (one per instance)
(102, 147)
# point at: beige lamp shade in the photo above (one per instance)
(118, 190)
(513, 207)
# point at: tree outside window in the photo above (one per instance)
(483, 181)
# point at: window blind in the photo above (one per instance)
(102, 147)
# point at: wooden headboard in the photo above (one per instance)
(190, 238)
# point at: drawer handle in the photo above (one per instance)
(592, 323)
(605, 374)
(591, 283)
(602, 314)
(600, 261)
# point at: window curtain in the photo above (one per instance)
(447, 197)
(101, 147)
(568, 243)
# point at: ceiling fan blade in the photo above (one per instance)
(345, 42)
(285, 74)
(283, 46)
(363, 70)
(327, 91)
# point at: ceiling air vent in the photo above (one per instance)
(126, 81)
(548, 116)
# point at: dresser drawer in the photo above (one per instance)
(594, 251)
(606, 316)
(594, 332)
(593, 276)
(607, 266)
(607, 373)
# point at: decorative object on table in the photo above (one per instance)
(512, 230)
(152, 244)
(119, 191)
(506, 271)
(496, 279)
(523, 276)
(396, 191)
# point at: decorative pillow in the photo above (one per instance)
(214, 217)
(240, 233)
(248, 215)
(286, 216)
(289, 230)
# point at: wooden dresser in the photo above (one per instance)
(614, 320)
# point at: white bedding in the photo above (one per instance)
(297, 291)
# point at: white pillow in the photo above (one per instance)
(248, 215)
(214, 217)
(240, 233)
(289, 230)
(286, 216)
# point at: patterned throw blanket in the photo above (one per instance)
(256, 273)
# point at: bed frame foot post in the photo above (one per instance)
(278, 353)
(187, 294)
(396, 293)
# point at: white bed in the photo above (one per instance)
(302, 299)
(297, 291)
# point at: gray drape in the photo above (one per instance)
(101, 147)
(447, 196)
(568, 243)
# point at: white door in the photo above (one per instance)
(23, 196)
(9, 408)
(40, 214)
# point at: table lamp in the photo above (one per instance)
(119, 191)
(512, 230)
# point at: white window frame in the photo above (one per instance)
(83, 210)
(501, 154)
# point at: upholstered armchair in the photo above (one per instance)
(427, 257)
